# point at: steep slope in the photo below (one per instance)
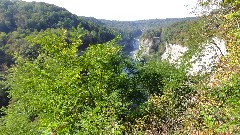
(23, 15)
(19, 19)
(136, 27)
(27, 17)
(141, 29)
(204, 61)
(184, 39)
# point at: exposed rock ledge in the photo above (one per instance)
(201, 63)
(145, 44)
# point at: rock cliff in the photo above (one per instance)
(146, 44)
(202, 62)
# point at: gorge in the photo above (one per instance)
(202, 62)
(135, 48)
(66, 74)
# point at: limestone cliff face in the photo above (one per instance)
(173, 53)
(146, 44)
(201, 63)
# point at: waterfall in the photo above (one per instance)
(135, 46)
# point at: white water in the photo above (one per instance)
(135, 45)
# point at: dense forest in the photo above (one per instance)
(189, 33)
(135, 29)
(20, 19)
(65, 74)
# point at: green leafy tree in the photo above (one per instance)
(61, 92)
(166, 96)
(217, 104)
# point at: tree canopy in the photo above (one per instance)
(57, 85)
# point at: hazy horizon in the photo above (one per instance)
(127, 10)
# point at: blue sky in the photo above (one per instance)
(126, 10)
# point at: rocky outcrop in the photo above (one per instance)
(145, 44)
(173, 53)
(200, 63)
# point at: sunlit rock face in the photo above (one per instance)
(173, 52)
(207, 59)
(200, 63)
(145, 44)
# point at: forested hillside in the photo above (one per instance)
(19, 19)
(135, 29)
(59, 84)
(189, 33)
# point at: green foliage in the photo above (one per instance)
(215, 109)
(98, 92)
(56, 89)
(135, 28)
(147, 29)
(217, 103)
(168, 96)
(20, 19)
(225, 113)
(60, 92)
(3, 95)
(190, 33)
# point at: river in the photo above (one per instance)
(135, 48)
